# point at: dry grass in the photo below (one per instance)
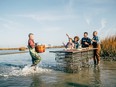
(22, 48)
(108, 46)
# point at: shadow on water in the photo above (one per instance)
(36, 81)
(96, 75)
(71, 84)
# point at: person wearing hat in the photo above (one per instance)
(85, 41)
(34, 55)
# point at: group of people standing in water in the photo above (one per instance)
(86, 42)
(72, 44)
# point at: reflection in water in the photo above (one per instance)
(96, 75)
(36, 81)
(71, 84)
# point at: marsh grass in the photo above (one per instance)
(108, 46)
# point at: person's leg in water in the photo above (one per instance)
(35, 59)
(94, 57)
(33, 65)
(35, 62)
(98, 54)
(98, 57)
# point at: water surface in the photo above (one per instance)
(15, 71)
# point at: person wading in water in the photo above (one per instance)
(34, 55)
(96, 44)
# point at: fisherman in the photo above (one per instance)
(96, 44)
(31, 45)
(75, 41)
(85, 41)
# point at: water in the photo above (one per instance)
(15, 71)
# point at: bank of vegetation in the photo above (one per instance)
(108, 47)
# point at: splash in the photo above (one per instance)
(30, 70)
(25, 71)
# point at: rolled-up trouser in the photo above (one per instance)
(35, 57)
(96, 56)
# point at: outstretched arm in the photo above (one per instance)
(63, 44)
(67, 35)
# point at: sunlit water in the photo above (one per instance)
(15, 71)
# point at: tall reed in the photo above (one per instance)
(108, 46)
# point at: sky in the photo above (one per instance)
(50, 20)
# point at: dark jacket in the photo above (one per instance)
(83, 40)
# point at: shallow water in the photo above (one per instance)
(15, 71)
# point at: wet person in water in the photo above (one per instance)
(96, 44)
(34, 55)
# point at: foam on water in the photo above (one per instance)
(26, 70)
(30, 70)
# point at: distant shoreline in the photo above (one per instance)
(25, 48)
(13, 53)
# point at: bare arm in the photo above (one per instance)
(73, 45)
(67, 35)
(63, 44)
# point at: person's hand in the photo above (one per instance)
(67, 35)
(35, 44)
(93, 41)
(62, 42)
(86, 43)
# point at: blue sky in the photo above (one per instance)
(50, 20)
